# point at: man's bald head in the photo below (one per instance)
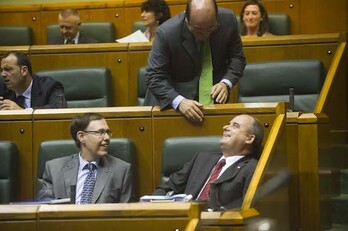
(201, 18)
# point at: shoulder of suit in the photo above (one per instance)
(115, 160)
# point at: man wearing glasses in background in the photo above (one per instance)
(99, 177)
(202, 41)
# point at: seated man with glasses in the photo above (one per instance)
(196, 59)
(99, 177)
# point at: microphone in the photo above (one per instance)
(291, 99)
(73, 194)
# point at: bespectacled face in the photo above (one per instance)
(95, 139)
(69, 26)
(13, 74)
(252, 16)
(236, 134)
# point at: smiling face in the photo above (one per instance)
(236, 139)
(94, 140)
(14, 75)
(69, 26)
(149, 19)
(252, 16)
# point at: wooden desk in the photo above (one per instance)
(18, 217)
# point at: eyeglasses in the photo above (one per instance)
(100, 133)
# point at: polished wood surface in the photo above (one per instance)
(18, 217)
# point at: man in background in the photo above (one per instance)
(196, 59)
(21, 89)
(69, 23)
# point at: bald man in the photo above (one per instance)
(240, 147)
(175, 60)
(69, 23)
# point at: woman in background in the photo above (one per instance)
(254, 19)
(153, 14)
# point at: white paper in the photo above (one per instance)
(137, 36)
(177, 197)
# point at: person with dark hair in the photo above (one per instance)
(153, 14)
(98, 177)
(221, 178)
(20, 88)
(69, 23)
(254, 19)
(196, 59)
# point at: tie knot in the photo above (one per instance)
(90, 167)
(221, 163)
(70, 41)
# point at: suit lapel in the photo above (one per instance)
(35, 92)
(233, 170)
(70, 173)
(102, 177)
(190, 45)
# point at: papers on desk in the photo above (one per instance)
(177, 197)
(43, 201)
(137, 36)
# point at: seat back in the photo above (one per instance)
(141, 86)
(121, 148)
(9, 155)
(103, 32)
(270, 82)
(138, 25)
(177, 151)
(279, 23)
(84, 87)
(16, 35)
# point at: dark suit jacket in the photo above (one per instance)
(174, 63)
(113, 183)
(82, 39)
(231, 186)
(45, 93)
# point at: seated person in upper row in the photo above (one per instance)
(99, 177)
(153, 14)
(22, 89)
(221, 178)
(254, 19)
(69, 23)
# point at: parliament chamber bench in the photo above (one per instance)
(121, 13)
(148, 128)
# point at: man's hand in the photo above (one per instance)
(191, 109)
(219, 92)
(7, 104)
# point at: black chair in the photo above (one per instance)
(103, 32)
(121, 148)
(9, 155)
(16, 35)
(141, 86)
(84, 87)
(177, 151)
(271, 81)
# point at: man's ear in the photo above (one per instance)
(250, 139)
(24, 70)
(81, 137)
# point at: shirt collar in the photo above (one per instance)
(76, 39)
(83, 162)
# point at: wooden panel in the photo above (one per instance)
(112, 56)
(333, 14)
(124, 122)
(170, 124)
(20, 18)
(137, 58)
(18, 217)
(16, 126)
